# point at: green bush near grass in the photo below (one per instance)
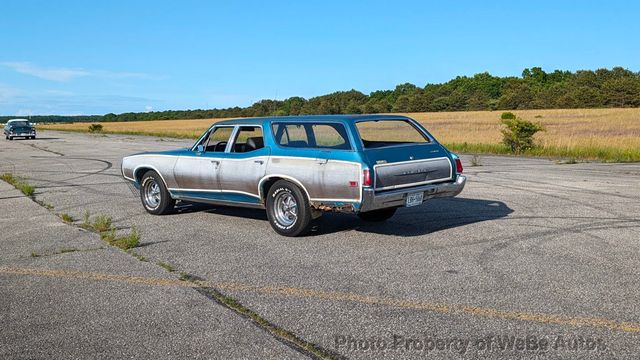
(102, 223)
(125, 242)
(508, 116)
(128, 241)
(95, 128)
(518, 134)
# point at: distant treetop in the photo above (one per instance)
(535, 89)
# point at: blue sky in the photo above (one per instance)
(95, 57)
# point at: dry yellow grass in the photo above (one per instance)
(177, 128)
(603, 128)
(570, 132)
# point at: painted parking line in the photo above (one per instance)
(454, 309)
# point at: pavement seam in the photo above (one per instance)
(286, 337)
(453, 309)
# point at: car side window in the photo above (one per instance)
(218, 139)
(291, 135)
(312, 135)
(331, 136)
(248, 138)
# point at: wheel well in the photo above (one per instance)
(140, 172)
(266, 185)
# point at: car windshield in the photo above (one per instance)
(381, 133)
(19, 124)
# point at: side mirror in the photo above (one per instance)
(200, 148)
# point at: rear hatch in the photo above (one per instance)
(404, 166)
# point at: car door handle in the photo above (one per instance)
(258, 162)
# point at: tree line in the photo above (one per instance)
(534, 89)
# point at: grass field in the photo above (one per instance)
(587, 134)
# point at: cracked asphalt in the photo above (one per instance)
(531, 253)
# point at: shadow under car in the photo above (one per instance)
(432, 216)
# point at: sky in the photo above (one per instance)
(96, 57)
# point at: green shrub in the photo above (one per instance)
(102, 223)
(518, 135)
(508, 116)
(95, 128)
(128, 241)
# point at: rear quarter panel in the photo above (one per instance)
(325, 175)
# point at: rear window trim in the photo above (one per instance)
(293, 121)
(415, 124)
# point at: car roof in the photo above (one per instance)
(310, 118)
(15, 120)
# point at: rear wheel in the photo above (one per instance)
(154, 195)
(288, 209)
(377, 215)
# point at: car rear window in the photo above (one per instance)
(381, 133)
(311, 135)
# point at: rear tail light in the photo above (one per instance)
(366, 177)
(459, 166)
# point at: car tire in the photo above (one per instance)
(377, 215)
(10, 138)
(154, 195)
(288, 209)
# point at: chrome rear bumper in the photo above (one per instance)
(395, 198)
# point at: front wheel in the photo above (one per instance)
(288, 209)
(377, 215)
(10, 138)
(154, 195)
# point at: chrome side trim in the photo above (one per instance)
(215, 191)
(152, 155)
(220, 202)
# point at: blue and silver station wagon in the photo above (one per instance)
(298, 167)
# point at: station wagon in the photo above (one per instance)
(298, 167)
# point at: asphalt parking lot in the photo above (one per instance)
(533, 252)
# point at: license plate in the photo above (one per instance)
(414, 199)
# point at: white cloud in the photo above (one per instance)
(67, 74)
(53, 74)
(8, 93)
(21, 102)
(24, 112)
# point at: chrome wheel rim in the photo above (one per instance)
(286, 209)
(152, 195)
